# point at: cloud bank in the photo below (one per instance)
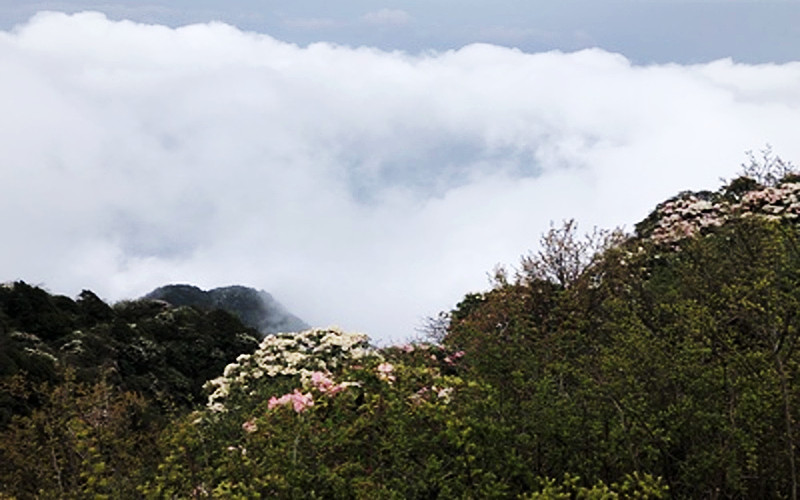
(361, 188)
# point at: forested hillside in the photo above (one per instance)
(162, 352)
(255, 308)
(658, 364)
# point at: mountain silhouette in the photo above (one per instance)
(254, 308)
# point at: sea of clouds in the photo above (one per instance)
(362, 188)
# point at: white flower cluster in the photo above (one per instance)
(289, 354)
(42, 354)
(24, 336)
(690, 215)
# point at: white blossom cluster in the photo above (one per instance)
(289, 354)
(690, 215)
(24, 336)
(42, 354)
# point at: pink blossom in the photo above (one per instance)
(300, 402)
(273, 401)
(418, 396)
(385, 372)
(451, 359)
(321, 381)
(250, 426)
(336, 389)
(325, 384)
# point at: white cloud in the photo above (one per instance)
(362, 188)
(391, 17)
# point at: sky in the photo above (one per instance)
(366, 164)
(645, 31)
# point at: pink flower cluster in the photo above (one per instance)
(385, 372)
(250, 426)
(325, 384)
(419, 396)
(689, 215)
(451, 359)
(774, 202)
(300, 402)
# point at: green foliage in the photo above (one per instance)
(677, 363)
(83, 441)
(32, 310)
(148, 347)
(639, 486)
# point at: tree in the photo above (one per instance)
(563, 255)
(768, 169)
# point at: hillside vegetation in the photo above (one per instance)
(254, 308)
(654, 365)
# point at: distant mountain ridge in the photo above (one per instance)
(254, 308)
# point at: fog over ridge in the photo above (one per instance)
(360, 187)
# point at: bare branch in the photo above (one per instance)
(769, 169)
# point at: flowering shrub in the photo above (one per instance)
(685, 217)
(373, 424)
(287, 355)
(777, 202)
(691, 214)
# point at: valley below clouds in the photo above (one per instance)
(362, 188)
